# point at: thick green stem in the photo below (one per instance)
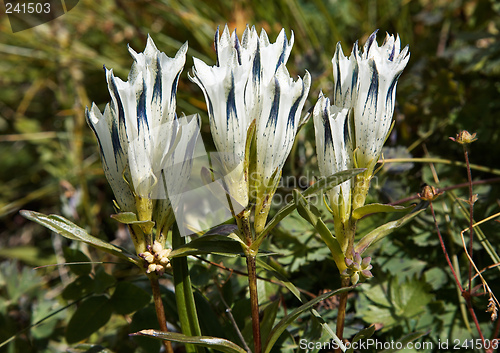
(254, 302)
(184, 297)
(160, 310)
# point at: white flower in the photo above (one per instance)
(250, 82)
(141, 138)
(345, 77)
(378, 71)
(352, 132)
(334, 150)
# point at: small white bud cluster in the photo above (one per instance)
(357, 268)
(156, 258)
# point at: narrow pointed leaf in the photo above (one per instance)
(326, 183)
(327, 328)
(306, 210)
(130, 218)
(386, 229)
(268, 317)
(209, 244)
(319, 187)
(362, 335)
(68, 229)
(219, 344)
(285, 281)
(287, 320)
(362, 211)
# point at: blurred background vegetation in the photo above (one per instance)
(49, 161)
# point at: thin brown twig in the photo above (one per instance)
(254, 302)
(241, 273)
(465, 294)
(452, 187)
(160, 311)
(341, 312)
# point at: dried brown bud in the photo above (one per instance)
(429, 193)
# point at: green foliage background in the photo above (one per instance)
(49, 163)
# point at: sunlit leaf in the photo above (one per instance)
(68, 229)
(386, 229)
(362, 211)
(131, 218)
(219, 344)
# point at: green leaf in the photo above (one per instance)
(219, 344)
(325, 184)
(91, 315)
(362, 335)
(125, 217)
(267, 321)
(128, 298)
(209, 244)
(103, 280)
(362, 211)
(393, 303)
(319, 187)
(386, 229)
(410, 297)
(327, 328)
(40, 311)
(404, 341)
(32, 255)
(77, 289)
(131, 218)
(288, 319)
(285, 281)
(310, 214)
(75, 255)
(146, 318)
(68, 229)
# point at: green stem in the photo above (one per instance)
(160, 310)
(184, 297)
(254, 302)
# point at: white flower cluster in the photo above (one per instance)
(351, 132)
